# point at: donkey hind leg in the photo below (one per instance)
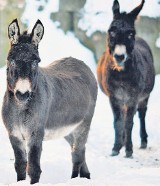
(128, 131)
(20, 157)
(142, 108)
(34, 154)
(77, 140)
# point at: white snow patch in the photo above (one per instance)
(31, 14)
(158, 42)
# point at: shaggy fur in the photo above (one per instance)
(126, 77)
(61, 102)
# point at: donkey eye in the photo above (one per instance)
(12, 63)
(34, 65)
(130, 36)
(112, 34)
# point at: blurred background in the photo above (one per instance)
(88, 20)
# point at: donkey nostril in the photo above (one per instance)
(119, 57)
(22, 96)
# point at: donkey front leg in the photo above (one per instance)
(34, 154)
(118, 127)
(20, 157)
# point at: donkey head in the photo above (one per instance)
(121, 34)
(22, 61)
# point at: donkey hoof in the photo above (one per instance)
(129, 154)
(143, 145)
(74, 174)
(85, 175)
(114, 153)
(33, 182)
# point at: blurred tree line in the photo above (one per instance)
(9, 10)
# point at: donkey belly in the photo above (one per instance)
(60, 132)
(125, 95)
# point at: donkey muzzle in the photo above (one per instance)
(22, 97)
(119, 58)
(120, 54)
(22, 90)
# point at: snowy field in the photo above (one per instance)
(142, 170)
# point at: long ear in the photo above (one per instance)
(37, 32)
(134, 13)
(115, 8)
(14, 32)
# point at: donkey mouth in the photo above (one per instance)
(121, 63)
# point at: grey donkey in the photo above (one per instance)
(43, 103)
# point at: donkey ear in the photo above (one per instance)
(115, 8)
(134, 13)
(13, 31)
(37, 32)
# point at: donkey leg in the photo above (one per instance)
(20, 157)
(142, 108)
(84, 172)
(77, 141)
(78, 160)
(128, 131)
(118, 126)
(34, 154)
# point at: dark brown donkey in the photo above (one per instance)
(126, 74)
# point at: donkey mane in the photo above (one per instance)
(106, 61)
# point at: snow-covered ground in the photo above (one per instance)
(142, 170)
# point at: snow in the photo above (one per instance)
(97, 14)
(142, 170)
(54, 44)
(158, 41)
